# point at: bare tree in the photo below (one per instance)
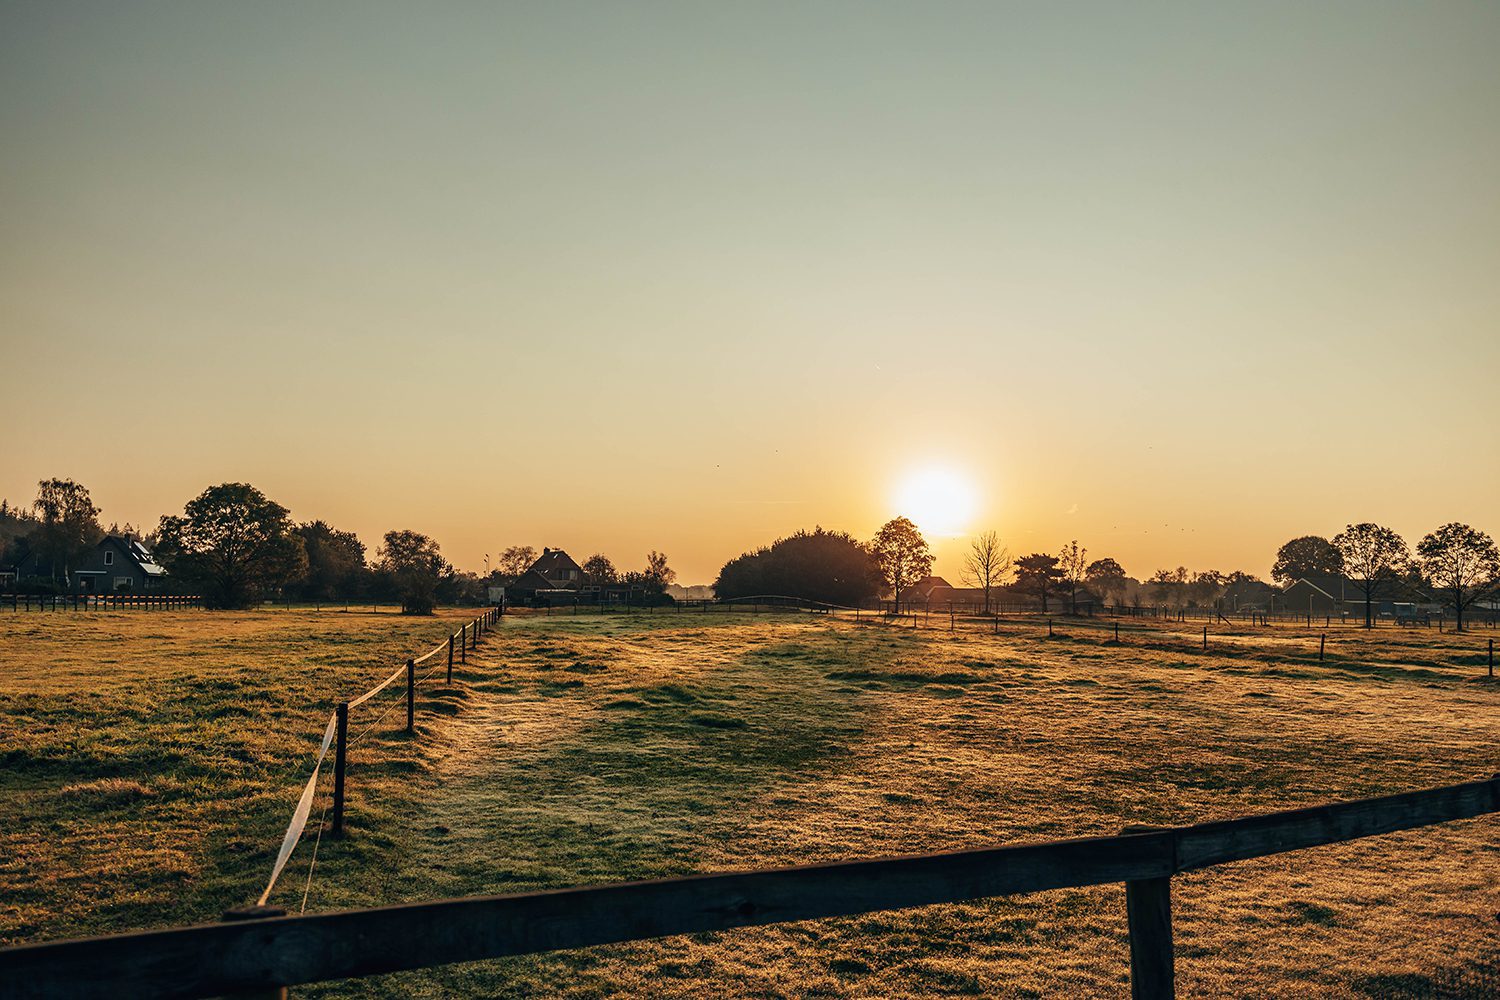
(1463, 561)
(1373, 556)
(987, 564)
(1072, 569)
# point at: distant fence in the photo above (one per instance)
(100, 602)
(275, 951)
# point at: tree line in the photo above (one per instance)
(1457, 562)
(235, 547)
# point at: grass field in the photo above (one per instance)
(151, 762)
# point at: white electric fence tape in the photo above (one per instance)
(299, 816)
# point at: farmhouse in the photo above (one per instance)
(118, 565)
(556, 578)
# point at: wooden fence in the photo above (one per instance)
(100, 602)
(269, 952)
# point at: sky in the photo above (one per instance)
(1178, 280)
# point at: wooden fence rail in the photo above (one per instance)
(100, 602)
(279, 951)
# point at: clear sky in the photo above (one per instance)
(1179, 280)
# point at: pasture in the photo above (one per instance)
(150, 762)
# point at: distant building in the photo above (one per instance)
(118, 565)
(1340, 596)
(556, 579)
(921, 591)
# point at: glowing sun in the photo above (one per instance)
(940, 501)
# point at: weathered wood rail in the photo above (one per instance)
(275, 952)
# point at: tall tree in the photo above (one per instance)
(658, 573)
(1106, 576)
(516, 560)
(1462, 561)
(335, 561)
(415, 566)
(902, 555)
(233, 544)
(1037, 574)
(1310, 555)
(1072, 569)
(818, 565)
(987, 564)
(1374, 556)
(599, 571)
(67, 524)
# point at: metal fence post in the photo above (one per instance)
(340, 750)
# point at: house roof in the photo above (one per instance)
(532, 580)
(551, 561)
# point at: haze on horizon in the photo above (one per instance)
(1179, 281)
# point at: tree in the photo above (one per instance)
(902, 556)
(515, 560)
(1463, 561)
(1373, 556)
(599, 571)
(987, 564)
(658, 573)
(67, 524)
(1310, 555)
(233, 544)
(1169, 583)
(16, 523)
(415, 567)
(1037, 574)
(335, 561)
(1105, 576)
(817, 565)
(1203, 588)
(1072, 568)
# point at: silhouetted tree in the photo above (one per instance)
(415, 567)
(1462, 561)
(67, 524)
(1072, 568)
(1374, 557)
(987, 564)
(827, 566)
(658, 573)
(1105, 576)
(16, 527)
(1310, 555)
(902, 555)
(1167, 584)
(335, 561)
(599, 571)
(233, 544)
(1037, 575)
(515, 560)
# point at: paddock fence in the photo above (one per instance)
(336, 738)
(100, 602)
(269, 951)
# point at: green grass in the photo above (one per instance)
(594, 749)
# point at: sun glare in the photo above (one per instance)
(940, 501)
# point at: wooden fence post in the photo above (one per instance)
(411, 695)
(1492, 657)
(1322, 644)
(240, 913)
(463, 643)
(1148, 912)
(341, 749)
(1049, 628)
(450, 659)
(1205, 638)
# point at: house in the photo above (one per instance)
(921, 591)
(558, 569)
(118, 565)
